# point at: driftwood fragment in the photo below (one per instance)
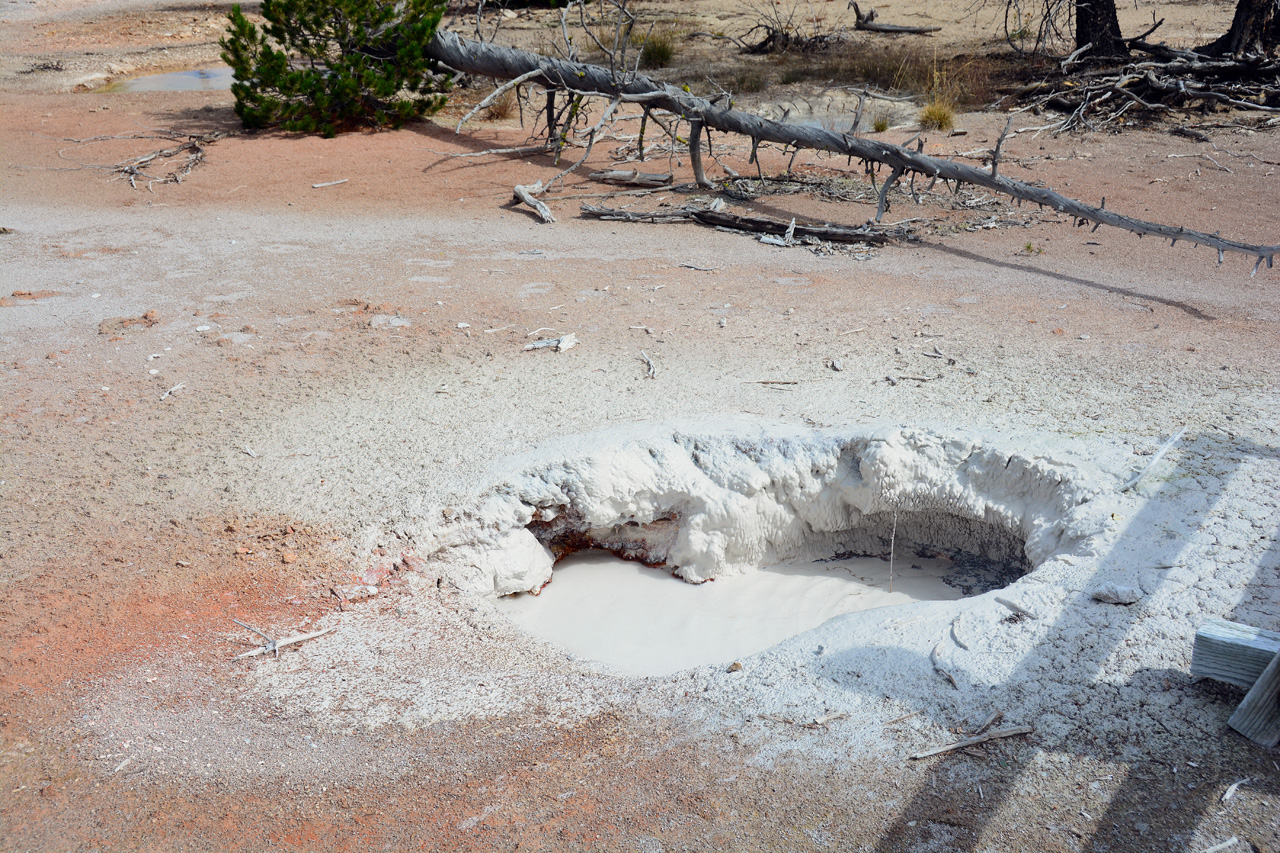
(528, 195)
(632, 178)
(491, 60)
(868, 23)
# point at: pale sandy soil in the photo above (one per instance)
(301, 427)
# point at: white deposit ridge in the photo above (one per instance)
(711, 501)
(641, 621)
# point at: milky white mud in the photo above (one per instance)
(716, 500)
(641, 621)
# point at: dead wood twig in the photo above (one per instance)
(191, 145)
(896, 720)
(274, 646)
(651, 369)
(1155, 458)
(974, 741)
(495, 95)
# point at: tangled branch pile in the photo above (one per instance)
(1165, 81)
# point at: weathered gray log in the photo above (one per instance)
(868, 23)
(507, 63)
(1258, 715)
(1231, 652)
(633, 178)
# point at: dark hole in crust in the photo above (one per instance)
(984, 555)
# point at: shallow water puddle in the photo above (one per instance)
(217, 77)
(643, 621)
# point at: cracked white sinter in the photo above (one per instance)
(744, 495)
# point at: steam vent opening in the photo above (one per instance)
(773, 532)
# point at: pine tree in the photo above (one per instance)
(323, 66)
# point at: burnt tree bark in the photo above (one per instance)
(507, 63)
(1255, 29)
(1098, 25)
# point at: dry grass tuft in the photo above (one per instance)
(897, 67)
(503, 108)
(657, 49)
(938, 115)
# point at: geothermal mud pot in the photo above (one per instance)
(797, 527)
(794, 527)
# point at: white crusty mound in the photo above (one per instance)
(728, 498)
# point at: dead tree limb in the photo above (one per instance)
(632, 178)
(529, 195)
(695, 153)
(868, 23)
(507, 63)
(716, 217)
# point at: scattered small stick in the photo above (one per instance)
(169, 393)
(249, 450)
(690, 266)
(561, 343)
(1159, 454)
(651, 368)
(495, 94)
(991, 721)
(122, 765)
(956, 637)
(1016, 608)
(329, 184)
(1217, 848)
(853, 331)
(774, 381)
(274, 646)
(1233, 787)
(818, 722)
(933, 659)
(896, 720)
(974, 741)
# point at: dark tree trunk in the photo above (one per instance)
(1254, 29)
(1097, 24)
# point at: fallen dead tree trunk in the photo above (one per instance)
(868, 23)
(506, 63)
